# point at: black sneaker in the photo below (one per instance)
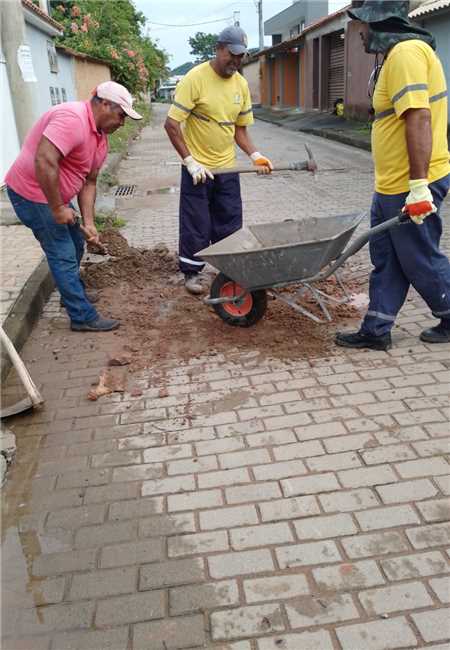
(437, 334)
(360, 340)
(99, 324)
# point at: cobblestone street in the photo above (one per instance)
(240, 502)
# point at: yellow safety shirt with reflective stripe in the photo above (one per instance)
(210, 107)
(411, 77)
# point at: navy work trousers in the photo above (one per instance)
(406, 255)
(209, 212)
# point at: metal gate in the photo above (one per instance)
(336, 79)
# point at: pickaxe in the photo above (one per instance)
(309, 165)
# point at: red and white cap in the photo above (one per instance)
(118, 94)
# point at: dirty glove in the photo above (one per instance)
(261, 161)
(197, 171)
(419, 202)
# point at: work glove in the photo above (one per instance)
(197, 171)
(261, 161)
(419, 202)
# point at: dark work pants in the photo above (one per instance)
(209, 212)
(406, 255)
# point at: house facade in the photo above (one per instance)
(291, 22)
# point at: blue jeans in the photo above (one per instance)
(406, 255)
(63, 246)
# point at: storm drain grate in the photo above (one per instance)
(125, 190)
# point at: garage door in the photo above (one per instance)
(336, 84)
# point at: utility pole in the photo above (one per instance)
(260, 24)
(12, 38)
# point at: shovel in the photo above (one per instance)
(34, 398)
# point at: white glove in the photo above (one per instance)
(261, 161)
(419, 202)
(197, 171)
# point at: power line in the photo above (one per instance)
(206, 22)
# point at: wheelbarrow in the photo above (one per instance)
(258, 260)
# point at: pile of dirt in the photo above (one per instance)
(161, 322)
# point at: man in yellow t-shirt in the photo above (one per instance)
(210, 113)
(410, 151)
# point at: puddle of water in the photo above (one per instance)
(359, 300)
(172, 189)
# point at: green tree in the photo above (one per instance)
(203, 46)
(112, 31)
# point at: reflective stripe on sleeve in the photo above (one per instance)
(200, 117)
(441, 95)
(386, 113)
(408, 89)
(250, 110)
(181, 107)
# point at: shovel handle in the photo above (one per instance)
(299, 166)
(35, 396)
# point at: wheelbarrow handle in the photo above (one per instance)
(360, 242)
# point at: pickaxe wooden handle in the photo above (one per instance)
(304, 165)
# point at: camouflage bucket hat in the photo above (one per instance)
(376, 11)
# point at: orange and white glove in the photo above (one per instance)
(261, 161)
(419, 202)
(198, 172)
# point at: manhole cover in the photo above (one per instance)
(125, 190)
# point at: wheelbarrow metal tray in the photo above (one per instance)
(270, 254)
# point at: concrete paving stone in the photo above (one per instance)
(387, 517)
(406, 491)
(224, 477)
(441, 587)
(353, 400)
(66, 562)
(309, 484)
(413, 380)
(433, 625)
(435, 510)
(171, 452)
(381, 408)
(366, 476)
(76, 517)
(351, 575)
(163, 525)
(325, 526)
(116, 458)
(284, 421)
(433, 535)
(423, 467)
(212, 595)
(168, 485)
(104, 583)
(388, 454)
(25, 643)
(242, 458)
(88, 536)
(275, 588)
(374, 544)
(254, 492)
(289, 508)
(395, 598)
(341, 378)
(414, 566)
(319, 431)
(333, 462)
(194, 500)
(229, 565)
(192, 466)
(240, 645)
(91, 447)
(132, 553)
(130, 609)
(353, 442)
(432, 447)
(298, 450)
(348, 501)
(228, 517)
(360, 425)
(270, 438)
(219, 446)
(262, 535)
(275, 471)
(377, 635)
(307, 554)
(420, 417)
(443, 482)
(249, 425)
(54, 618)
(138, 472)
(281, 397)
(141, 442)
(247, 621)
(170, 634)
(309, 405)
(171, 573)
(307, 611)
(437, 430)
(132, 508)
(17, 596)
(200, 543)
(56, 500)
(305, 641)
(114, 639)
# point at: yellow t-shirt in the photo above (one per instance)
(411, 77)
(210, 107)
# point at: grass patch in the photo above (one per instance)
(118, 141)
(104, 220)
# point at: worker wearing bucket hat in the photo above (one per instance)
(60, 159)
(213, 104)
(410, 151)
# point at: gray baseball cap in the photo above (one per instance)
(234, 38)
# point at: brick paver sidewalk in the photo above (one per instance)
(251, 505)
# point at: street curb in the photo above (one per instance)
(26, 310)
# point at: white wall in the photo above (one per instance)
(9, 140)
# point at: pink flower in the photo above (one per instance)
(131, 53)
(114, 54)
(76, 11)
(74, 28)
(84, 27)
(61, 8)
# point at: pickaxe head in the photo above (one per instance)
(309, 165)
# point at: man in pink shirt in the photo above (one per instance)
(60, 159)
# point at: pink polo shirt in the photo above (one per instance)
(71, 128)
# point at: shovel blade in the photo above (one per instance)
(19, 407)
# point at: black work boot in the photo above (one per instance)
(99, 324)
(361, 340)
(437, 334)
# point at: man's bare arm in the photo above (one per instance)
(86, 198)
(243, 140)
(419, 141)
(46, 164)
(173, 129)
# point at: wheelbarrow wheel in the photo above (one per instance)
(245, 314)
